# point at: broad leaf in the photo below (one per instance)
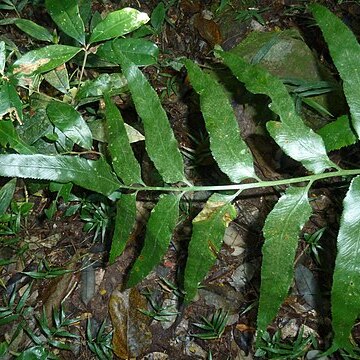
(92, 175)
(337, 134)
(70, 122)
(118, 23)
(2, 57)
(345, 53)
(34, 30)
(59, 79)
(6, 195)
(208, 232)
(10, 102)
(9, 136)
(281, 233)
(66, 15)
(124, 223)
(44, 59)
(345, 294)
(259, 81)
(112, 83)
(123, 159)
(141, 52)
(159, 231)
(160, 141)
(229, 150)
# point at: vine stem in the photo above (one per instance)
(83, 66)
(241, 187)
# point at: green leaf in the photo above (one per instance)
(44, 59)
(158, 16)
(8, 135)
(70, 122)
(258, 80)
(346, 284)
(123, 159)
(160, 141)
(91, 175)
(34, 30)
(124, 223)
(208, 232)
(2, 57)
(281, 233)
(337, 134)
(345, 53)
(34, 353)
(158, 235)
(229, 150)
(118, 23)
(10, 102)
(59, 79)
(141, 52)
(66, 15)
(301, 144)
(112, 83)
(6, 195)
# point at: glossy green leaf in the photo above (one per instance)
(158, 16)
(35, 126)
(59, 79)
(66, 15)
(141, 52)
(208, 232)
(118, 23)
(43, 59)
(281, 233)
(160, 141)
(34, 353)
(34, 30)
(2, 57)
(124, 223)
(70, 122)
(258, 80)
(229, 150)
(6, 195)
(345, 53)
(9, 136)
(112, 83)
(123, 159)
(345, 294)
(159, 230)
(92, 175)
(337, 134)
(10, 102)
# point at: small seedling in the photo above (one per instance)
(45, 271)
(214, 327)
(158, 312)
(275, 348)
(252, 13)
(101, 344)
(312, 241)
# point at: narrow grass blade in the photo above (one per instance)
(345, 53)
(281, 233)
(66, 15)
(208, 232)
(123, 159)
(158, 235)
(160, 141)
(91, 175)
(6, 195)
(229, 150)
(259, 81)
(124, 223)
(346, 284)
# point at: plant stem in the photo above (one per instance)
(241, 187)
(83, 67)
